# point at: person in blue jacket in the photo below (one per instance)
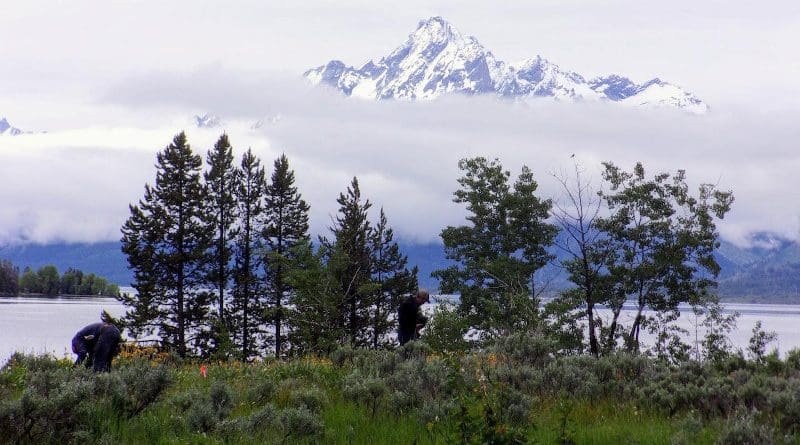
(96, 345)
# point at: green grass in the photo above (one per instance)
(554, 421)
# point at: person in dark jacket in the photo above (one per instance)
(409, 318)
(96, 345)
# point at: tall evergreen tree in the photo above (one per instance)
(316, 310)
(247, 304)
(166, 240)
(286, 226)
(391, 276)
(9, 278)
(351, 231)
(500, 248)
(221, 184)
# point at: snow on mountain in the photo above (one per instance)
(437, 59)
(207, 121)
(6, 128)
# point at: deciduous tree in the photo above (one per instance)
(499, 249)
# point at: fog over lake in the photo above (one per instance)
(46, 325)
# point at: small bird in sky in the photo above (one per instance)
(572, 155)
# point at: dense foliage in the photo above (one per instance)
(46, 280)
(522, 388)
(224, 265)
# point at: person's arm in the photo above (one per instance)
(79, 347)
(82, 344)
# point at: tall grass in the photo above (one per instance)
(500, 395)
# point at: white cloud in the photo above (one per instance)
(74, 185)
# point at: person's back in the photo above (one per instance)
(409, 319)
(96, 345)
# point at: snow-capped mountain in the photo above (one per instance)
(437, 59)
(6, 128)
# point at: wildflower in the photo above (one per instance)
(204, 371)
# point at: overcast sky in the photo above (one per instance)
(112, 82)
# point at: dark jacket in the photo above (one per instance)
(408, 317)
(96, 345)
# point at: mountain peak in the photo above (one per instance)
(436, 28)
(437, 59)
(6, 128)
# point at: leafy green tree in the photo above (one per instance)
(9, 278)
(499, 250)
(221, 182)
(286, 227)
(757, 345)
(715, 344)
(247, 304)
(49, 280)
(166, 240)
(350, 261)
(71, 281)
(661, 241)
(392, 278)
(29, 282)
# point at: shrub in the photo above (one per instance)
(201, 417)
(262, 391)
(446, 329)
(134, 387)
(369, 390)
(526, 348)
(300, 422)
(312, 399)
(743, 429)
(221, 398)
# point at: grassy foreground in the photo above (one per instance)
(514, 393)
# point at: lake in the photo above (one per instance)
(46, 325)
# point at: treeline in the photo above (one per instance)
(224, 265)
(46, 280)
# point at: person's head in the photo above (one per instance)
(422, 296)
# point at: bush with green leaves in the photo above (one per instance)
(744, 428)
(207, 411)
(366, 390)
(299, 423)
(446, 329)
(54, 407)
(526, 348)
(134, 387)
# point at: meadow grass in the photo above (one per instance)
(312, 387)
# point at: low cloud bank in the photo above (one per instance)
(75, 185)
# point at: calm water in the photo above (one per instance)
(46, 325)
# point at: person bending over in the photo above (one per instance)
(409, 318)
(96, 345)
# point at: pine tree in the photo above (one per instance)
(166, 241)
(352, 269)
(247, 304)
(221, 183)
(286, 226)
(391, 276)
(316, 311)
